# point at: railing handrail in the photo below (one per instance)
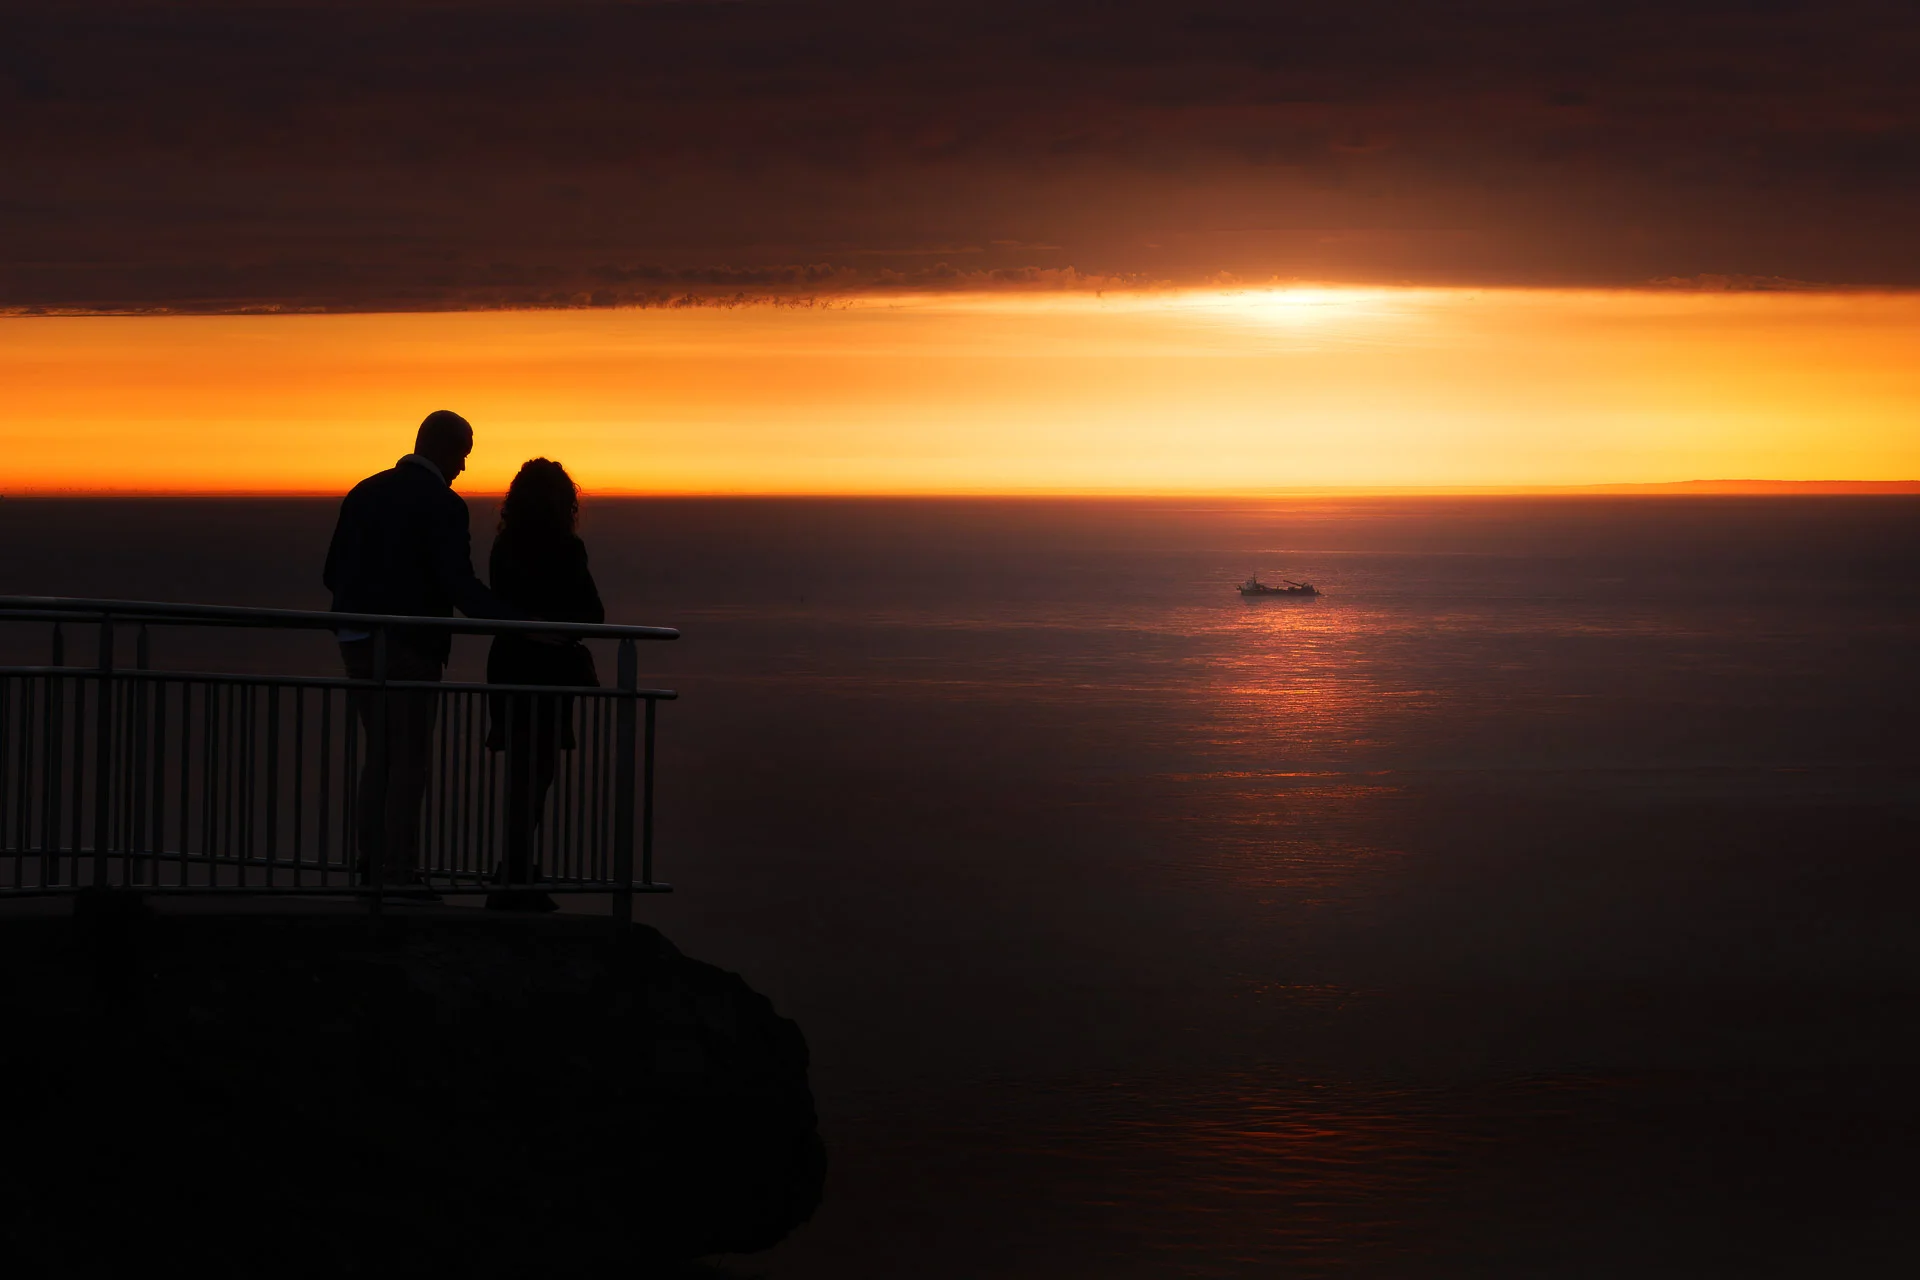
(89, 671)
(74, 609)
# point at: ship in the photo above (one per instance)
(1255, 587)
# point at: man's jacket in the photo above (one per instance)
(402, 545)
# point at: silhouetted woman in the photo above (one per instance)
(539, 565)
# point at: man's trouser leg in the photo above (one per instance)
(408, 736)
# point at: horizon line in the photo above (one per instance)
(1681, 488)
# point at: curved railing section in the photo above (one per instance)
(119, 776)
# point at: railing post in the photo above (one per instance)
(272, 816)
(646, 801)
(135, 822)
(373, 807)
(52, 818)
(103, 760)
(629, 679)
(55, 714)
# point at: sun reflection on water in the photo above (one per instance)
(1294, 715)
(1296, 1174)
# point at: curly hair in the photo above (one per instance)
(542, 499)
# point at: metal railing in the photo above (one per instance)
(200, 782)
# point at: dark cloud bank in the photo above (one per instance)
(399, 156)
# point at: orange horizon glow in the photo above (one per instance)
(1246, 392)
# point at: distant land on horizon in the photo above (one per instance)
(1757, 486)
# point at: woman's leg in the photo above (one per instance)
(521, 801)
(543, 762)
(532, 761)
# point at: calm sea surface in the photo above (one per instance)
(1540, 901)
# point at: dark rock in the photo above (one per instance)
(289, 1090)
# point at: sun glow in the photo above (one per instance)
(1301, 307)
(1227, 390)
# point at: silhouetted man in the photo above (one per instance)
(402, 546)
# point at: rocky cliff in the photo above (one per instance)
(269, 1090)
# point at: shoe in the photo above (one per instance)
(520, 900)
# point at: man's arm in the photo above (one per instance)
(453, 566)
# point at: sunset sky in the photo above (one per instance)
(988, 246)
(1222, 391)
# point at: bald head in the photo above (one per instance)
(445, 439)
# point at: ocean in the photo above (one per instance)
(1539, 900)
